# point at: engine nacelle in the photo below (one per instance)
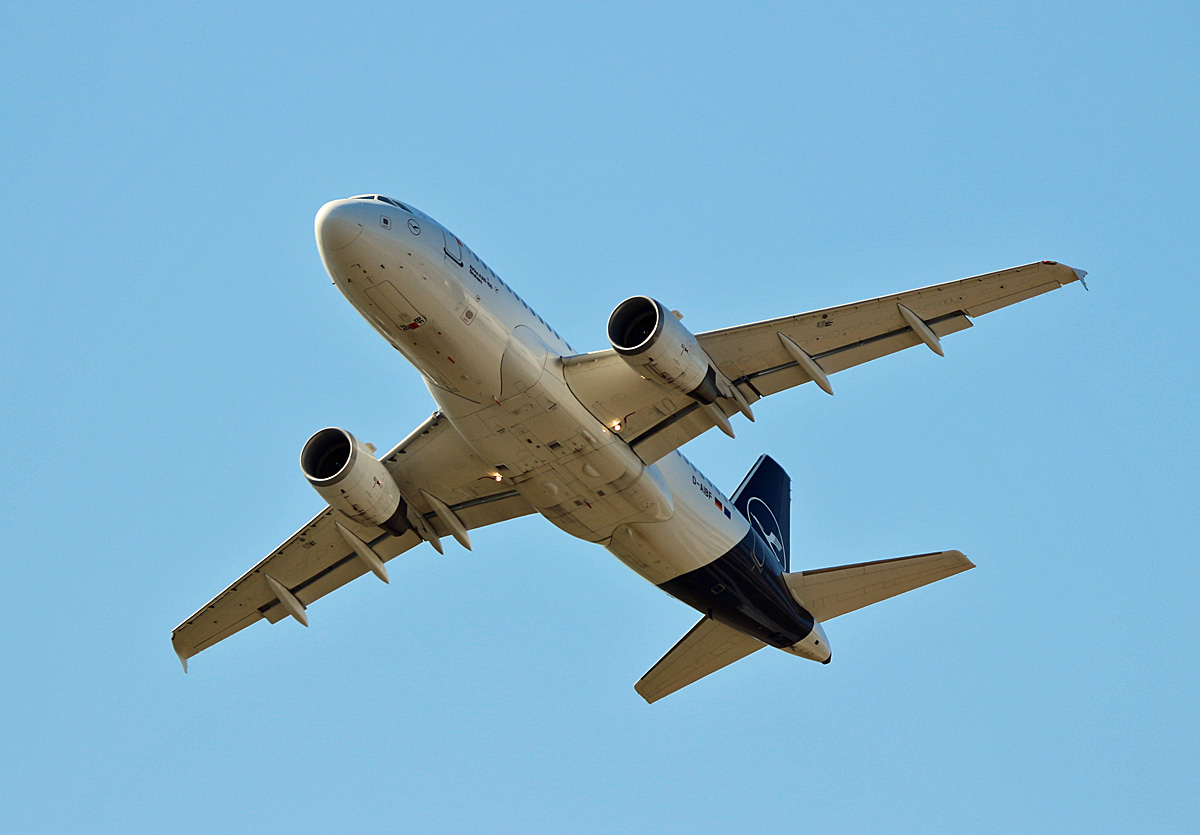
(658, 346)
(347, 476)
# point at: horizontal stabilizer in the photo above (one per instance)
(710, 646)
(829, 592)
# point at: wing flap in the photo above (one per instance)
(830, 592)
(709, 646)
(350, 566)
(689, 422)
(788, 375)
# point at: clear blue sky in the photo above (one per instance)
(171, 339)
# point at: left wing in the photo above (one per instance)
(318, 558)
(757, 359)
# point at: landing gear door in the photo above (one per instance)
(453, 247)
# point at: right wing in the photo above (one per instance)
(317, 559)
(754, 358)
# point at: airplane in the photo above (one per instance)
(590, 441)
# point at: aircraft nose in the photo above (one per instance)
(336, 226)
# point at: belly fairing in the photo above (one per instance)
(568, 465)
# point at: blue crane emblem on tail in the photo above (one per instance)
(774, 542)
(764, 521)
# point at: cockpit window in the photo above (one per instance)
(395, 203)
(383, 199)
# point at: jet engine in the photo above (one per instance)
(346, 475)
(657, 346)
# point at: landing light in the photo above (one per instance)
(616, 426)
(498, 477)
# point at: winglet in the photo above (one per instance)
(183, 656)
(1079, 274)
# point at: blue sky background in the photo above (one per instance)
(171, 339)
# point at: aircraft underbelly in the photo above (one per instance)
(565, 463)
(697, 534)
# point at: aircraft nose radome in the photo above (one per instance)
(336, 226)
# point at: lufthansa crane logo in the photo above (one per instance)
(764, 521)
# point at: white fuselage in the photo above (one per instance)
(495, 369)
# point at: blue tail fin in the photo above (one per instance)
(765, 498)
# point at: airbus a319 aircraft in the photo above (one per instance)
(590, 441)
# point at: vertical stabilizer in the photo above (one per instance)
(765, 498)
